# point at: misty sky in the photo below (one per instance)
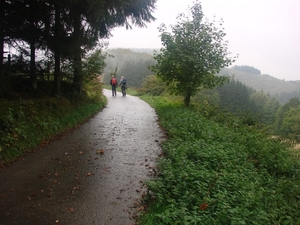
(264, 33)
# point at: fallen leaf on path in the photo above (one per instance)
(141, 208)
(71, 210)
(50, 194)
(101, 151)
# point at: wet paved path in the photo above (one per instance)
(92, 175)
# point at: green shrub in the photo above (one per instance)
(152, 85)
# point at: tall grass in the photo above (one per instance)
(217, 170)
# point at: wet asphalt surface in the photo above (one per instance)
(91, 175)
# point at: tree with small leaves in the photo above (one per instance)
(192, 54)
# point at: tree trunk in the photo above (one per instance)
(2, 80)
(77, 81)
(57, 74)
(33, 76)
(187, 99)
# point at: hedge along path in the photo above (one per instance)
(92, 175)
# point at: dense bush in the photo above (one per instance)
(152, 85)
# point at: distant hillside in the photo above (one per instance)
(148, 51)
(247, 75)
(129, 63)
(263, 82)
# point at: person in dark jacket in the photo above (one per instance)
(123, 84)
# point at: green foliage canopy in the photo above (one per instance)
(192, 54)
(291, 123)
(287, 119)
(66, 29)
(152, 85)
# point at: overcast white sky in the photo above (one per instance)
(264, 33)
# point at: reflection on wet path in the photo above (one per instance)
(92, 175)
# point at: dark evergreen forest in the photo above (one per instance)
(50, 40)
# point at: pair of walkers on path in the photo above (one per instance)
(114, 84)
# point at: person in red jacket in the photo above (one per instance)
(114, 84)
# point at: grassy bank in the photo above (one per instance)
(27, 122)
(218, 170)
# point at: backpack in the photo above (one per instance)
(124, 82)
(113, 81)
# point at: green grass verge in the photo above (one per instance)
(26, 123)
(217, 170)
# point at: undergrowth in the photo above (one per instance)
(26, 122)
(218, 170)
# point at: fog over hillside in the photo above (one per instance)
(248, 75)
(262, 82)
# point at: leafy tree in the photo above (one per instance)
(259, 100)
(192, 54)
(280, 115)
(291, 123)
(152, 85)
(264, 107)
(93, 66)
(271, 107)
